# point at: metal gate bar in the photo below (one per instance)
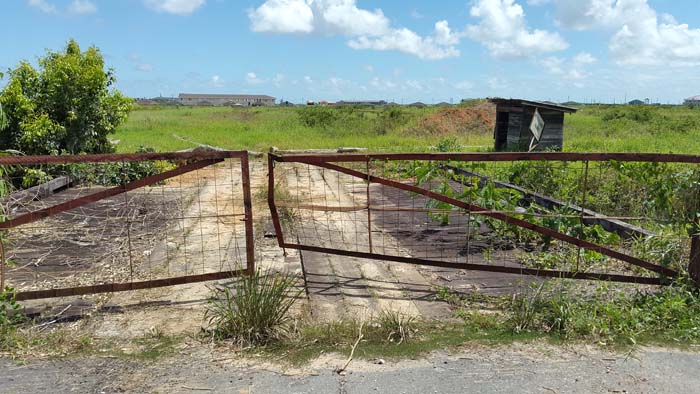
(189, 162)
(327, 162)
(475, 209)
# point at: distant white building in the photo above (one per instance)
(692, 101)
(220, 100)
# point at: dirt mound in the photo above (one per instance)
(474, 119)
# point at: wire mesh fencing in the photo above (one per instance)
(616, 217)
(103, 223)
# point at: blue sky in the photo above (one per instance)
(404, 51)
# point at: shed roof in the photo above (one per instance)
(529, 103)
(224, 96)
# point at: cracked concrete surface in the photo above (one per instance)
(521, 368)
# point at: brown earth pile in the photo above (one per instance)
(473, 119)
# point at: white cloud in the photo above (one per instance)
(177, 7)
(344, 17)
(382, 84)
(216, 81)
(414, 85)
(278, 79)
(43, 6)
(82, 7)
(464, 86)
(145, 67)
(439, 46)
(252, 79)
(641, 36)
(369, 68)
(415, 14)
(282, 16)
(496, 83)
(503, 30)
(365, 29)
(571, 69)
(135, 59)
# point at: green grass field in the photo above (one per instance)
(592, 129)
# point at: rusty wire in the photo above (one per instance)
(331, 190)
(85, 240)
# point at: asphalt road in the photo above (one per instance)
(511, 369)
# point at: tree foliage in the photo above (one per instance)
(66, 105)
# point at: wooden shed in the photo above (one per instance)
(523, 125)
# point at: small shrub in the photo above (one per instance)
(396, 326)
(254, 310)
(317, 116)
(110, 174)
(9, 316)
(9, 308)
(524, 310)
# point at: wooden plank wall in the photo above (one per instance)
(501, 130)
(512, 130)
(552, 135)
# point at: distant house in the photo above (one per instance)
(636, 102)
(219, 100)
(524, 125)
(417, 104)
(571, 103)
(362, 102)
(145, 102)
(692, 101)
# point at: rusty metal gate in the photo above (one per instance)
(498, 212)
(119, 222)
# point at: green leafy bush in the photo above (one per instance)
(318, 116)
(67, 105)
(669, 314)
(9, 316)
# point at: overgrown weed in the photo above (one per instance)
(253, 310)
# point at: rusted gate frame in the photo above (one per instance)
(194, 160)
(325, 161)
(491, 157)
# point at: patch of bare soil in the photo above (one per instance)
(476, 119)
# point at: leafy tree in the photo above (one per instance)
(66, 105)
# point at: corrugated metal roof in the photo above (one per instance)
(539, 104)
(224, 96)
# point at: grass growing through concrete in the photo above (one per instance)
(313, 340)
(556, 311)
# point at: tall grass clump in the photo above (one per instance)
(668, 315)
(396, 326)
(254, 310)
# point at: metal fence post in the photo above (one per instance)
(694, 265)
(2, 265)
(248, 205)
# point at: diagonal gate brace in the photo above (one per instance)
(79, 202)
(499, 216)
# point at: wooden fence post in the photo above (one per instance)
(694, 265)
